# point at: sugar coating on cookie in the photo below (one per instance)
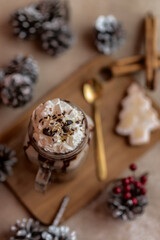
(138, 118)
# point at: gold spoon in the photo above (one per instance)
(92, 91)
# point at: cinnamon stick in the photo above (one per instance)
(129, 60)
(155, 57)
(150, 46)
(123, 70)
(118, 69)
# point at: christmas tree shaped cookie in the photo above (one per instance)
(137, 118)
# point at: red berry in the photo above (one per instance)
(127, 195)
(143, 191)
(125, 181)
(117, 190)
(134, 201)
(133, 167)
(127, 188)
(131, 179)
(143, 179)
(138, 184)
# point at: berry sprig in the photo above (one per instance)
(128, 196)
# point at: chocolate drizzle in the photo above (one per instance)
(27, 146)
(65, 165)
(46, 161)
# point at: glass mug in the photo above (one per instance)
(60, 166)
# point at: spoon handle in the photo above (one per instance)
(101, 158)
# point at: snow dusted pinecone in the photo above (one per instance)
(109, 34)
(27, 229)
(58, 233)
(56, 36)
(16, 90)
(23, 65)
(51, 9)
(126, 210)
(26, 22)
(128, 198)
(7, 160)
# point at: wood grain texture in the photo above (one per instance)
(85, 186)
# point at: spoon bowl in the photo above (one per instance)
(92, 90)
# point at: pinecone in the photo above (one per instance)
(16, 90)
(58, 233)
(56, 36)
(27, 229)
(109, 34)
(7, 160)
(23, 65)
(51, 9)
(32, 230)
(127, 198)
(126, 210)
(26, 22)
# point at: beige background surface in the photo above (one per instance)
(92, 222)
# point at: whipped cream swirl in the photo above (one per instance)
(58, 127)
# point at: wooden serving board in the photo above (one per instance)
(85, 186)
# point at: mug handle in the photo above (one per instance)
(42, 178)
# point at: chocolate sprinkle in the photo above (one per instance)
(48, 132)
(56, 123)
(68, 122)
(59, 120)
(69, 112)
(65, 129)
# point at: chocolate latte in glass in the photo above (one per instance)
(57, 140)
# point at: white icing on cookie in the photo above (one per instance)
(138, 118)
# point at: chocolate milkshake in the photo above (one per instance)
(57, 140)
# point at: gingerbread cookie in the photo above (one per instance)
(137, 118)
